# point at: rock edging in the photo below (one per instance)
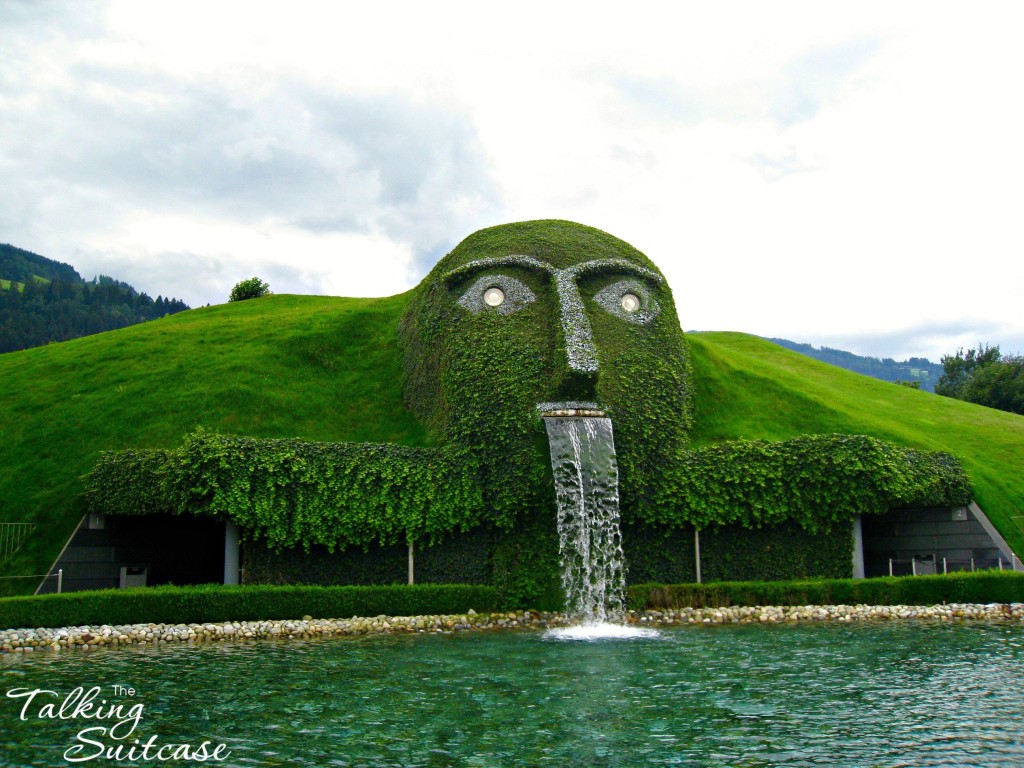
(90, 637)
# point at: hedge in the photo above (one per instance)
(217, 603)
(977, 587)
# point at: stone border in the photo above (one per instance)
(86, 638)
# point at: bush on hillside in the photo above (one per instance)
(252, 288)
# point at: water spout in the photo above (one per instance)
(587, 493)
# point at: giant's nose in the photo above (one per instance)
(580, 352)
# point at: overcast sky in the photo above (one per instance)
(840, 174)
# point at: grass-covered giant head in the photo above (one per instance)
(531, 317)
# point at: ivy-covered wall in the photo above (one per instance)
(765, 510)
(462, 558)
(517, 320)
(523, 563)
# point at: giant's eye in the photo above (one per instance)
(630, 300)
(496, 293)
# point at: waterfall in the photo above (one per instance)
(589, 540)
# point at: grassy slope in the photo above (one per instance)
(318, 368)
(748, 387)
(324, 368)
(6, 284)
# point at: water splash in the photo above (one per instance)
(597, 632)
(589, 540)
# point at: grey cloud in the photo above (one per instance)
(193, 277)
(197, 278)
(314, 157)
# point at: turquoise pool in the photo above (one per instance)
(896, 694)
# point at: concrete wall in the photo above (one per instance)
(928, 536)
(162, 549)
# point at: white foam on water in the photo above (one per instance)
(600, 631)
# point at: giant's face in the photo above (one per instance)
(543, 316)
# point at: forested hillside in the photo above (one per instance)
(913, 369)
(42, 300)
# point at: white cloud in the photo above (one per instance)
(805, 170)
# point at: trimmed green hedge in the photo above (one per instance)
(978, 587)
(217, 603)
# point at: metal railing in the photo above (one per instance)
(59, 576)
(12, 536)
(918, 566)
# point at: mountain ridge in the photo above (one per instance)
(918, 369)
(44, 301)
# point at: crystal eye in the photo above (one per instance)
(494, 297)
(501, 294)
(628, 300)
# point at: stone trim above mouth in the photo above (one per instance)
(571, 409)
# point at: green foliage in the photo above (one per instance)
(41, 311)
(731, 553)
(986, 377)
(26, 267)
(217, 603)
(776, 553)
(659, 554)
(252, 288)
(476, 379)
(293, 493)
(316, 368)
(816, 481)
(1000, 385)
(329, 369)
(459, 558)
(978, 587)
(374, 565)
(749, 388)
(959, 368)
(526, 569)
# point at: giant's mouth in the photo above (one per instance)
(571, 408)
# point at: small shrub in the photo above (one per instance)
(252, 288)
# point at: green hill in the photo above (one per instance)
(24, 266)
(747, 387)
(923, 371)
(323, 368)
(43, 301)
